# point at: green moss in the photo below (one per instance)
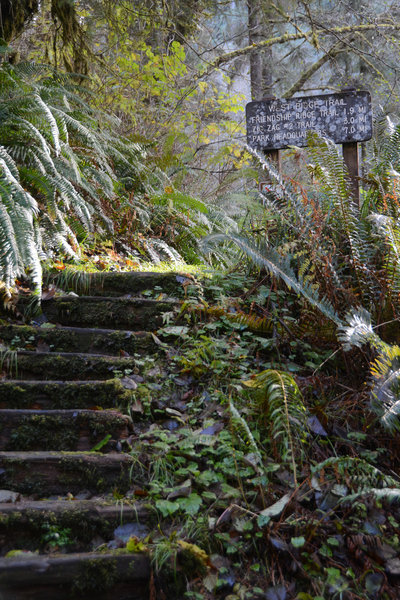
(63, 432)
(41, 432)
(71, 367)
(124, 313)
(107, 394)
(96, 575)
(25, 529)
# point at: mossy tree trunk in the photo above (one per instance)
(14, 15)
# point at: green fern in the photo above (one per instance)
(241, 426)
(384, 370)
(360, 474)
(279, 267)
(57, 166)
(279, 403)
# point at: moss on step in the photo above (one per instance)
(59, 394)
(122, 313)
(74, 430)
(46, 473)
(96, 575)
(67, 366)
(24, 527)
(114, 283)
(71, 339)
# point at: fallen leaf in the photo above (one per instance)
(276, 509)
(183, 491)
(315, 426)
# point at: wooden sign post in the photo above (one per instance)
(274, 156)
(350, 157)
(345, 118)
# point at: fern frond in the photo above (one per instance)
(240, 424)
(279, 402)
(360, 474)
(335, 182)
(385, 389)
(390, 231)
(268, 258)
(356, 330)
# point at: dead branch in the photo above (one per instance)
(290, 37)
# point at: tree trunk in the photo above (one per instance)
(14, 14)
(261, 60)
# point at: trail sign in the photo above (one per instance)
(344, 117)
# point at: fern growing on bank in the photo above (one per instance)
(337, 256)
(56, 167)
(65, 174)
(279, 405)
(279, 267)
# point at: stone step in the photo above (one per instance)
(100, 576)
(136, 314)
(66, 365)
(64, 394)
(118, 284)
(23, 524)
(78, 339)
(61, 429)
(43, 474)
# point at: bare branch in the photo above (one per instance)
(334, 51)
(289, 37)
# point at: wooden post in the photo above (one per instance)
(274, 156)
(351, 160)
(350, 157)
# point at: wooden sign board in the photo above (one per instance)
(275, 124)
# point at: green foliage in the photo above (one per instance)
(280, 407)
(384, 370)
(342, 260)
(57, 168)
(279, 268)
(65, 178)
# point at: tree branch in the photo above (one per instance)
(290, 37)
(334, 51)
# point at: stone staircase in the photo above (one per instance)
(64, 421)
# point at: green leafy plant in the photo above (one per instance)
(279, 407)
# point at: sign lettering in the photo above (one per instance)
(275, 124)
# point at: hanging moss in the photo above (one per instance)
(75, 49)
(14, 16)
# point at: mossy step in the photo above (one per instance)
(66, 365)
(106, 576)
(64, 394)
(78, 339)
(118, 284)
(136, 314)
(61, 429)
(24, 524)
(43, 474)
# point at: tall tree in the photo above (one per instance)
(260, 62)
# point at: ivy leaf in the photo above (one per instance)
(298, 542)
(191, 504)
(166, 507)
